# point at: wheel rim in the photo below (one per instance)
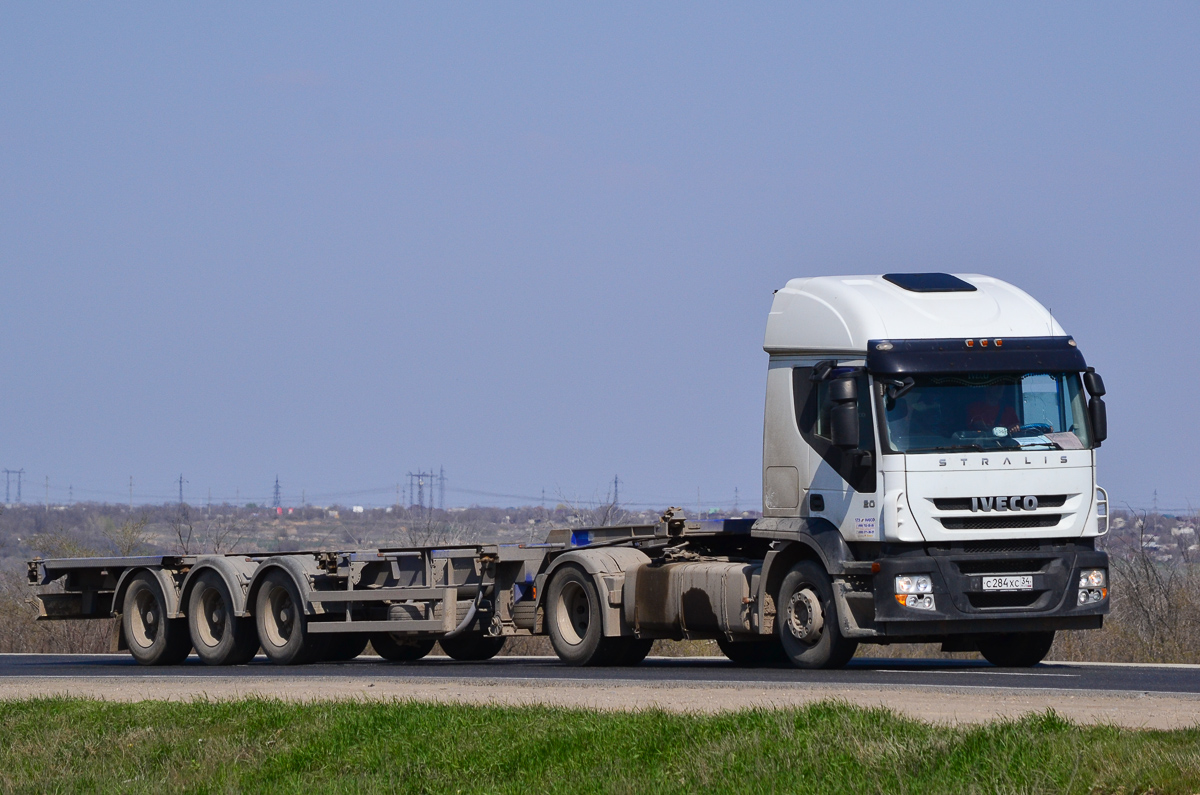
(146, 618)
(805, 618)
(212, 621)
(573, 613)
(281, 616)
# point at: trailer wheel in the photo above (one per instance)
(401, 648)
(219, 636)
(472, 647)
(573, 618)
(807, 622)
(153, 638)
(343, 648)
(282, 625)
(750, 653)
(1016, 649)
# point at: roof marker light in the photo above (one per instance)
(999, 343)
(970, 343)
(883, 346)
(1071, 343)
(983, 343)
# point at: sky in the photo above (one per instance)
(536, 243)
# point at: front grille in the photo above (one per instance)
(1008, 566)
(1009, 522)
(984, 601)
(964, 503)
(984, 547)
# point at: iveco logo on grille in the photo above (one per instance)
(1004, 503)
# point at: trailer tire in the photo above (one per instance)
(807, 623)
(282, 625)
(219, 636)
(752, 653)
(343, 648)
(472, 647)
(153, 638)
(573, 618)
(401, 648)
(1016, 649)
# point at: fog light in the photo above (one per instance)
(919, 602)
(1083, 597)
(914, 583)
(1093, 578)
(1090, 596)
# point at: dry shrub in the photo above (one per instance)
(20, 631)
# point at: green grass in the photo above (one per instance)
(72, 745)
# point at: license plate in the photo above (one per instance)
(1022, 582)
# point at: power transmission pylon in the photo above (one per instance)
(277, 501)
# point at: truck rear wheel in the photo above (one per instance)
(153, 638)
(627, 650)
(472, 647)
(1016, 649)
(573, 618)
(765, 651)
(807, 621)
(282, 625)
(401, 648)
(219, 636)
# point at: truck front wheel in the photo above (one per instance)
(807, 620)
(153, 638)
(1016, 649)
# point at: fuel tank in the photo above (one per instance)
(692, 599)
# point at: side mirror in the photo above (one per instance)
(1093, 383)
(843, 415)
(1099, 415)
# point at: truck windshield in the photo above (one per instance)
(1044, 411)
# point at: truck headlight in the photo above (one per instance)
(1093, 578)
(914, 583)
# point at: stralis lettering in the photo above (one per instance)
(1004, 503)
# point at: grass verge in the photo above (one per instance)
(73, 745)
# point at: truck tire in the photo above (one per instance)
(401, 648)
(472, 647)
(752, 653)
(1016, 649)
(343, 648)
(626, 650)
(219, 636)
(282, 625)
(807, 620)
(573, 618)
(153, 638)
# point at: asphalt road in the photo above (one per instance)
(706, 671)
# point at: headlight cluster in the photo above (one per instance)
(915, 591)
(1093, 586)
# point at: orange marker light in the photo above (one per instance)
(970, 343)
(983, 343)
(999, 343)
(900, 598)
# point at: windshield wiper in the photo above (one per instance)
(965, 446)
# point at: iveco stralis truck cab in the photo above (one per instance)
(940, 427)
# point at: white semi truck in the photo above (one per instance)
(928, 476)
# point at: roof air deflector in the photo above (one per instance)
(929, 282)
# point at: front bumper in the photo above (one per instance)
(962, 606)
